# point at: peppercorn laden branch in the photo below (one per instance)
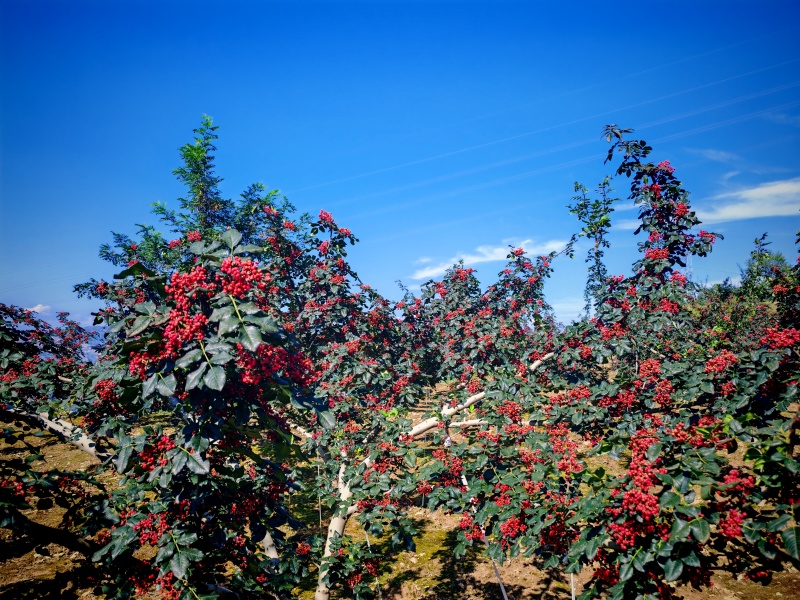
(346, 508)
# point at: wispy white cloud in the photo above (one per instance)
(716, 155)
(627, 225)
(423, 260)
(771, 199)
(39, 308)
(729, 175)
(483, 254)
(784, 119)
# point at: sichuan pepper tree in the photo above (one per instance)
(642, 385)
(198, 327)
(41, 364)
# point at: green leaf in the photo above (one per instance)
(265, 324)
(692, 560)
(639, 560)
(197, 464)
(679, 532)
(179, 565)
(133, 270)
(250, 338)
(189, 358)
(779, 523)
(220, 313)
(626, 571)
(166, 386)
(249, 248)
(231, 238)
(184, 538)
(228, 324)
(165, 552)
(215, 378)
(791, 537)
(198, 444)
(221, 358)
(669, 499)
(179, 459)
(700, 530)
(195, 377)
(150, 385)
(145, 308)
(673, 569)
(248, 308)
(653, 451)
(751, 534)
(327, 418)
(124, 455)
(139, 325)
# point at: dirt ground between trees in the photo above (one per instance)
(32, 570)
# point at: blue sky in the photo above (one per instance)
(435, 130)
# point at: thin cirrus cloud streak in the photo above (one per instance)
(716, 155)
(572, 122)
(770, 199)
(483, 254)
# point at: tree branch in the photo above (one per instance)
(63, 429)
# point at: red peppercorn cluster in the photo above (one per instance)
(656, 254)
(665, 166)
(242, 276)
(621, 402)
(668, 306)
(151, 528)
(730, 525)
(105, 390)
(510, 409)
(720, 362)
(780, 338)
(424, 488)
(513, 528)
(650, 369)
(153, 455)
(472, 531)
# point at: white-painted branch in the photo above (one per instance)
(269, 546)
(67, 431)
(470, 423)
(305, 433)
(447, 411)
(537, 363)
(335, 530)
